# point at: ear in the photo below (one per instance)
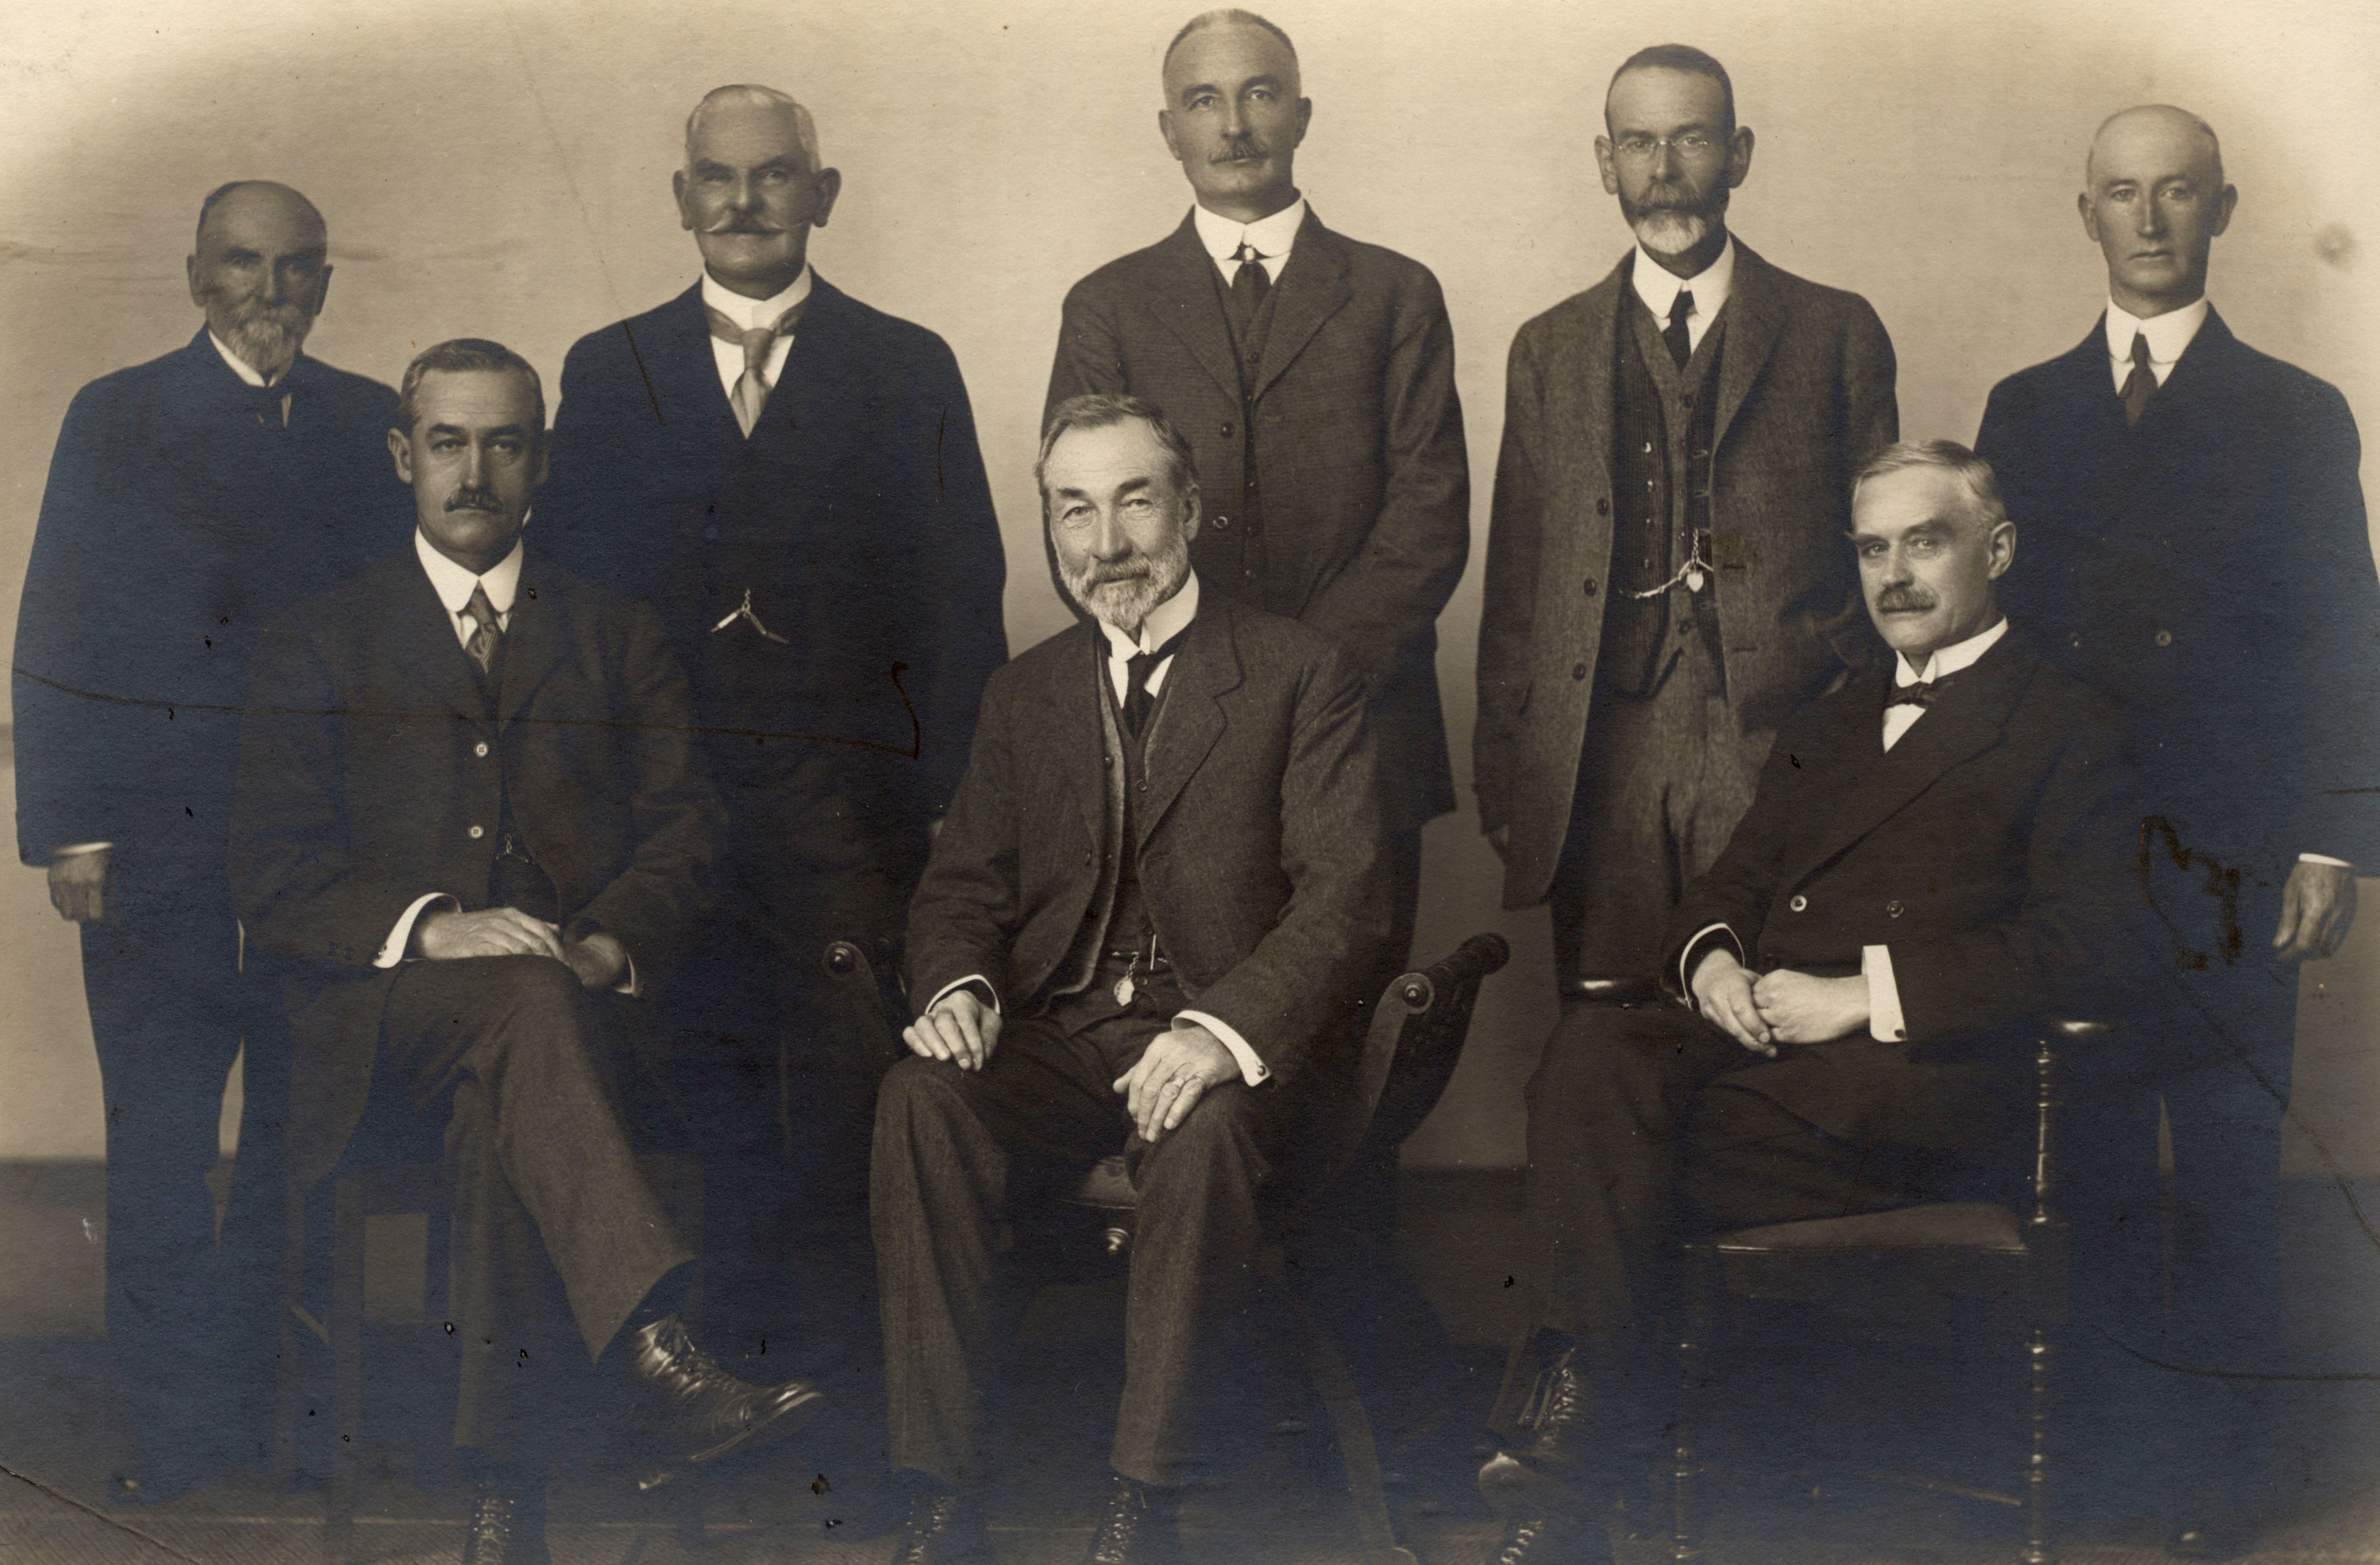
(1739, 155)
(190, 268)
(677, 194)
(2090, 216)
(1305, 118)
(2224, 206)
(544, 449)
(2001, 546)
(1165, 128)
(1190, 513)
(1603, 164)
(400, 447)
(322, 290)
(828, 182)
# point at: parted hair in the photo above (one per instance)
(1679, 56)
(1949, 456)
(457, 356)
(1099, 410)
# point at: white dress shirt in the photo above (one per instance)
(1657, 286)
(1164, 622)
(1272, 237)
(247, 372)
(748, 313)
(2168, 334)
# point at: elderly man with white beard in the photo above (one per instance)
(1153, 907)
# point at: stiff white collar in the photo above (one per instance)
(240, 366)
(1657, 286)
(1271, 237)
(453, 584)
(748, 313)
(1952, 659)
(2168, 334)
(1159, 628)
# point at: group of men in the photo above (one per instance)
(532, 834)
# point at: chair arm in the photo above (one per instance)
(872, 1012)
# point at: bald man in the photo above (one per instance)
(792, 479)
(2196, 547)
(188, 498)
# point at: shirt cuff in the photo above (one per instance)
(976, 981)
(95, 847)
(1253, 1071)
(1885, 1022)
(628, 985)
(1693, 953)
(2303, 859)
(392, 950)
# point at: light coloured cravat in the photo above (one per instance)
(752, 387)
(489, 636)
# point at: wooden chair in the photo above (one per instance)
(1410, 1049)
(1964, 1249)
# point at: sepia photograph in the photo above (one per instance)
(1013, 783)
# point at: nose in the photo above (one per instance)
(1109, 540)
(743, 194)
(1895, 571)
(1235, 122)
(276, 289)
(2148, 217)
(475, 465)
(1665, 161)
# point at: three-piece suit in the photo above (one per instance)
(855, 526)
(2209, 567)
(184, 508)
(377, 766)
(1240, 831)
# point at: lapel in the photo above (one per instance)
(679, 371)
(815, 389)
(1178, 290)
(2201, 379)
(1965, 722)
(1312, 288)
(1075, 735)
(421, 638)
(1755, 314)
(1578, 423)
(532, 642)
(1190, 718)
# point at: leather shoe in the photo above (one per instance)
(698, 1413)
(1137, 1527)
(507, 1526)
(1553, 1474)
(1554, 1540)
(2201, 1537)
(943, 1528)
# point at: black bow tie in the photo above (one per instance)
(1921, 694)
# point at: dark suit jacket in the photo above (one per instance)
(1986, 850)
(175, 523)
(1257, 840)
(1805, 396)
(1359, 455)
(858, 515)
(2209, 568)
(363, 785)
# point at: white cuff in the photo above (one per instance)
(95, 847)
(1253, 1071)
(1885, 1022)
(392, 950)
(1693, 951)
(628, 986)
(2303, 859)
(962, 983)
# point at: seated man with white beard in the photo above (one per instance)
(1151, 909)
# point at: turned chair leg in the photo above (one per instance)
(2038, 1547)
(1685, 1469)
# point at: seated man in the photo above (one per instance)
(1933, 855)
(1144, 926)
(471, 821)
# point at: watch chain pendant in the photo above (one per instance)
(1123, 989)
(1694, 578)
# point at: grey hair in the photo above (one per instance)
(747, 96)
(460, 356)
(1229, 16)
(1945, 456)
(1099, 410)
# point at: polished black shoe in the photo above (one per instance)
(943, 1529)
(1554, 1540)
(698, 1413)
(507, 1526)
(1139, 1526)
(1553, 1474)
(2204, 1537)
(149, 1485)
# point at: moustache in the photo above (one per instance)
(1239, 148)
(468, 499)
(1897, 600)
(743, 225)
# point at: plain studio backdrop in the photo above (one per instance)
(502, 170)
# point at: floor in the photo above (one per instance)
(1280, 1501)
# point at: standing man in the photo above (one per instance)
(1314, 376)
(792, 478)
(1666, 572)
(2201, 556)
(189, 498)
(474, 824)
(1143, 932)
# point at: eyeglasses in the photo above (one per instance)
(1685, 143)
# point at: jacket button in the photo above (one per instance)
(1603, 506)
(1799, 903)
(1227, 431)
(475, 832)
(481, 748)
(1893, 908)
(1590, 587)
(1687, 400)
(1222, 523)
(2163, 639)
(1578, 671)
(2075, 639)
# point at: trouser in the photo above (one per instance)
(558, 1237)
(1662, 779)
(1637, 1139)
(168, 1010)
(952, 1144)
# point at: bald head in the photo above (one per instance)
(2154, 200)
(1232, 115)
(261, 270)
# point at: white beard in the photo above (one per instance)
(1671, 232)
(1125, 602)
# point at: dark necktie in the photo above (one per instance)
(1249, 285)
(272, 405)
(1137, 702)
(488, 638)
(1681, 347)
(1921, 694)
(751, 392)
(2142, 383)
